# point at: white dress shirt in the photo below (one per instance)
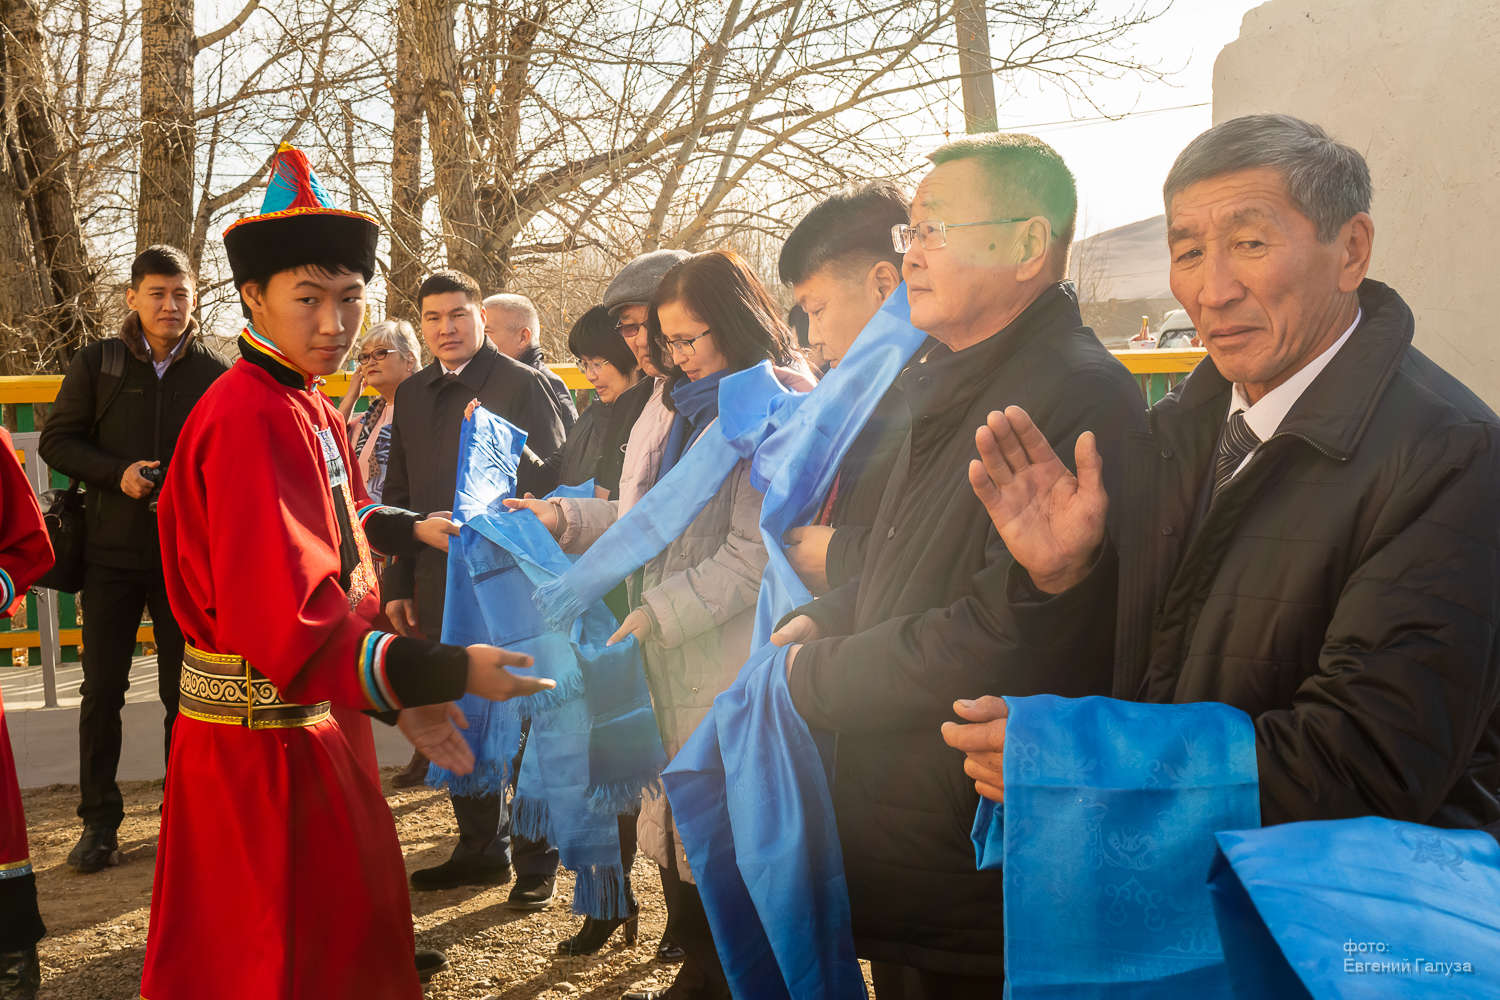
(1266, 415)
(454, 371)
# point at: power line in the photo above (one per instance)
(1111, 118)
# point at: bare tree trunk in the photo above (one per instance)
(168, 136)
(448, 128)
(406, 178)
(974, 63)
(22, 292)
(44, 166)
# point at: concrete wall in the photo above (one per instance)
(1415, 86)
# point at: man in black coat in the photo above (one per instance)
(885, 656)
(113, 428)
(1309, 530)
(421, 475)
(842, 266)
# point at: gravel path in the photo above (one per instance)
(97, 923)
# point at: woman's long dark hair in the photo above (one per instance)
(720, 290)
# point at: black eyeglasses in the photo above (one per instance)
(379, 354)
(687, 347)
(629, 330)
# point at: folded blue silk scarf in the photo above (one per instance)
(1106, 838)
(1354, 908)
(748, 790)
(560, 795)
(664, 513)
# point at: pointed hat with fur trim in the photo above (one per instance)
(298, 225)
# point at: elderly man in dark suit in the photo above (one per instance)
(421, 474)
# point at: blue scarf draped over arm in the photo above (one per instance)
(748, 790)
(1106, 838)
(1353, 908)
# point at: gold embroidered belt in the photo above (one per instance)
(227, 690)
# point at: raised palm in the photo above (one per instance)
(1051, 521)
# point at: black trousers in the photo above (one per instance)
(113, 600)
(700, 976)
(484, 835)
(902, 982)
(20, 920)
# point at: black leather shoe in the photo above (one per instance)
(531, 892)
(452, 874)
(97, 848)
(20, 974)
(430, 963)
(668, 953)
(646, 995)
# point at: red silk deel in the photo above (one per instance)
(279, 875)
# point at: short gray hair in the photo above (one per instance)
(1326, 180)
(394, 333)
(520, 310)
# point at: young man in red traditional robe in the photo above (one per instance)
(279, 875)
(25, 554)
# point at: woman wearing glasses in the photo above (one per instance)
(609, 364)
(387, 355)
(695, 602)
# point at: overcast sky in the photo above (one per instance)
(1120, 165)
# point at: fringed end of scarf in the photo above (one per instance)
(528, 817)
(620, 798)
(559, 604)
(601, 892)
(569, 686)
(487, 778)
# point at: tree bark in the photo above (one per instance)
(974, 63)
(448, 130)
(405, 275)
(43, 163)
(168, 135)
(22, 291)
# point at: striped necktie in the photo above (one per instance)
(1238, 441)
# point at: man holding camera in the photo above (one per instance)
(113, 428)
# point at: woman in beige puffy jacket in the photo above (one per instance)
(694, 604)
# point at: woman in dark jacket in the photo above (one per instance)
(609, 365)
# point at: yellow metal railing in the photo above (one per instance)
(43, 388)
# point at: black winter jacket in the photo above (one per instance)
(861, 485)
(422, 470)
(141, 424)
(927, 623)
(1343, 589)
(576, 460)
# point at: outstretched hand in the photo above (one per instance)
(430, 728)
(1051, 521)
(488, 677)
(545, 511)
(435, 529)
(983, 740)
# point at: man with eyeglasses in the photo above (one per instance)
(640, 422)
(881, 660)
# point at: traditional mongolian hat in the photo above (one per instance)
(298, 225)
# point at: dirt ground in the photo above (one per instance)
(96, 924)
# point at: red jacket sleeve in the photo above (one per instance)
(25, 549)
(257, 550)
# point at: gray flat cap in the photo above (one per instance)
(637, 280)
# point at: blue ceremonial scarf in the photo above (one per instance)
(748, 790)
(746, 398)
(1345, 909)
(697, 406)
(1106, 838)
(594, 743)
